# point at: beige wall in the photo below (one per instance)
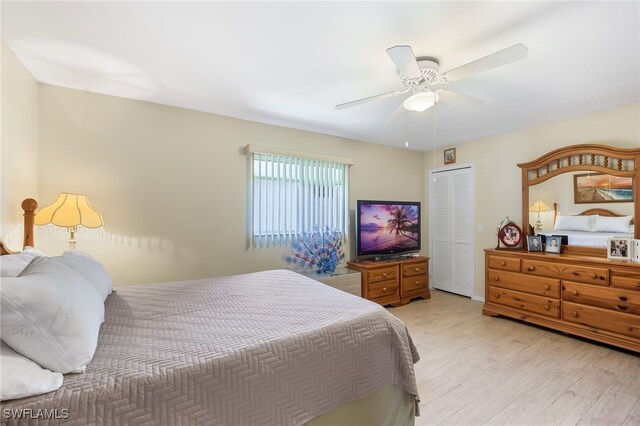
(498, 181)
(18, 145)
(171, 183)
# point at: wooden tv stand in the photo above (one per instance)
(591, 297)
(394, 282)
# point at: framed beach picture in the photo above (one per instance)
(449, 156)
(534, 243)
(554, 243)
(602, 188)
(619, 248)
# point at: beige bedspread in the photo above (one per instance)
(269, 348)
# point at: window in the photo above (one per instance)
(291, 195)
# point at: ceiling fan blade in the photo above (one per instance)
(399, 112)
(458, 99)
(371, 98)
(405, 60)
(495, 60)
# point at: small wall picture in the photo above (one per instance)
(534, 243)
(635, 250)
(619, 248)
(449, 156)
(554, 243)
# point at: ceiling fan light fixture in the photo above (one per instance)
(420, 101)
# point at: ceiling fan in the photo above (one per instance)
(421, 78)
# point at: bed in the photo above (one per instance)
(272, 347)
(590, 238)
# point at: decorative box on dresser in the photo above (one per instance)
(394, 282)
(591, 297)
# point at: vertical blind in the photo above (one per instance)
(291, 195)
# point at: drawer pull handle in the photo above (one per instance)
(623, 298)
(547, 307)
(503, 263)
(496, 278)
(416, 269)
(574, 314)
(531, 268)
(547, 287)
(622, 308)
(497, 295)
(574, 292)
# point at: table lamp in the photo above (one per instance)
(538, 207)
(70, 211)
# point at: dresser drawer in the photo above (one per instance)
(383, 289)
(624, 279)
(504, 263)
(584, 274)
(526, 302)
(382, 274)
(414, 283)
(603, 319)
(604, 297)
(542, 286)
(414, 269)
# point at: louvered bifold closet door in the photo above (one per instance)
(441, 233)
(451, 230)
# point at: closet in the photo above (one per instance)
(451, 229)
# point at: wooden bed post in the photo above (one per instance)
(29, 206)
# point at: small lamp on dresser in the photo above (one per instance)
(70, 211)
(538, 207)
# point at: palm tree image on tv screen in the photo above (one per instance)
(389, 227)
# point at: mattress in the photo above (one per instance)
(269, 348)
(586, 238)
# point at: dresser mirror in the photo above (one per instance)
(568, 178)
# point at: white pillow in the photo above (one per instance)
(22, 377)
(12, 264)
(52, 315)
(612, 224)
(90, 269)
(572, 223)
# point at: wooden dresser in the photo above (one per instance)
(591, 297)
(394, 282)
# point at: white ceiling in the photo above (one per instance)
(289, 63)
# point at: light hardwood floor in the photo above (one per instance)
(477, 370)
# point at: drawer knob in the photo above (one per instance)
(623, 298)
(384, 289)
(531, 268)
(496, 278)
(497, 295)
(384, 274)
(503, 263)
(594, 275)
(416, 269)
(574, 292)
(622, 307)
(417, 282)
(547, 287)
(574, 314)
(547, 307)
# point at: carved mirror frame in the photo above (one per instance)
(586, 157)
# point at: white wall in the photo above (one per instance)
(498, 179)
(171, 183)
(18, 145)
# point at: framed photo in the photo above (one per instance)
(449, 156)
(510, 236)
(635, 250)
(534, 243)
(619, 248)
(554, 244)
(602, 188)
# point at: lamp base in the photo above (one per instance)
(72, 238)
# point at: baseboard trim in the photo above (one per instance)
(478, 298)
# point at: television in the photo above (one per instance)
(387, 228)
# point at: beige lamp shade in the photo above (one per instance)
(538, 207)
(70, 210)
